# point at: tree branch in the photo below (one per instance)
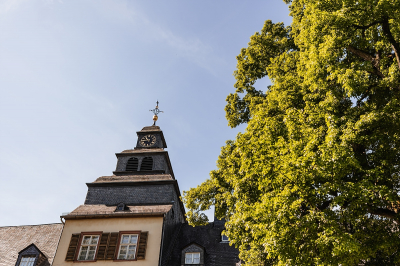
(389, 36)
(368, 57)
(383, 212)
(366, 26)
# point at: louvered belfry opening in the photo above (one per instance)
(147, 164)
(132, 164)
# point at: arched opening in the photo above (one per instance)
(132, 164)
(147, 164)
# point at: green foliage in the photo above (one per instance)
(315, 178)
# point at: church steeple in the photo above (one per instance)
(147, 158)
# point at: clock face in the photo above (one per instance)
(148, 140)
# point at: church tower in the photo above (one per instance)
(136, 216)
(132, 215)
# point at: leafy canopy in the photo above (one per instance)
(315, 178)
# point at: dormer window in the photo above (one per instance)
(27, 261)
(147, 164)
(193, 254)
(31, 256)
(132, 164)
(120, 207)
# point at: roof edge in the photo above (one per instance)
(119, 215)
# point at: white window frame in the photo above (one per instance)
(89, 246)
(128, 245)
(27, 261)
(191, 257)
(226, 240)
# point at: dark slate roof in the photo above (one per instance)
(13, 239)
(102, 211)
(217, 253)
(133, 178)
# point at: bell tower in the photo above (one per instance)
(137, 214)
(149, 157)
(142, 197)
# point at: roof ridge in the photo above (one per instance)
(27, 225)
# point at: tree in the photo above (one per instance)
(315, 177)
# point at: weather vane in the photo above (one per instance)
(156, 111)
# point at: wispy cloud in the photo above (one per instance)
(191, 48)
(7, 6)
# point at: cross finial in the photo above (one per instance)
(156, 111)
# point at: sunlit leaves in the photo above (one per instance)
(315, 178)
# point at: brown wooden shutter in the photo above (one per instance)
(142, 245)
(112, 246)
(73, 244)
(101, 253)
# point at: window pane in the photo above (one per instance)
(133, 239)
(82, 254)
(122, 250)
(188, 258)
(121, 257)
(125, 239)
(90, 255)
(31, 260)
(131, 252)
(23, 261)
(86, 240)
(196, 258)
(95, 239)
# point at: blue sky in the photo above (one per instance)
(78, 78)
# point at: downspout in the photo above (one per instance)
(162, 242)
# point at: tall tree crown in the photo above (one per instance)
(315, 177)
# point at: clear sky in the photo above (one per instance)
(78, 78)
